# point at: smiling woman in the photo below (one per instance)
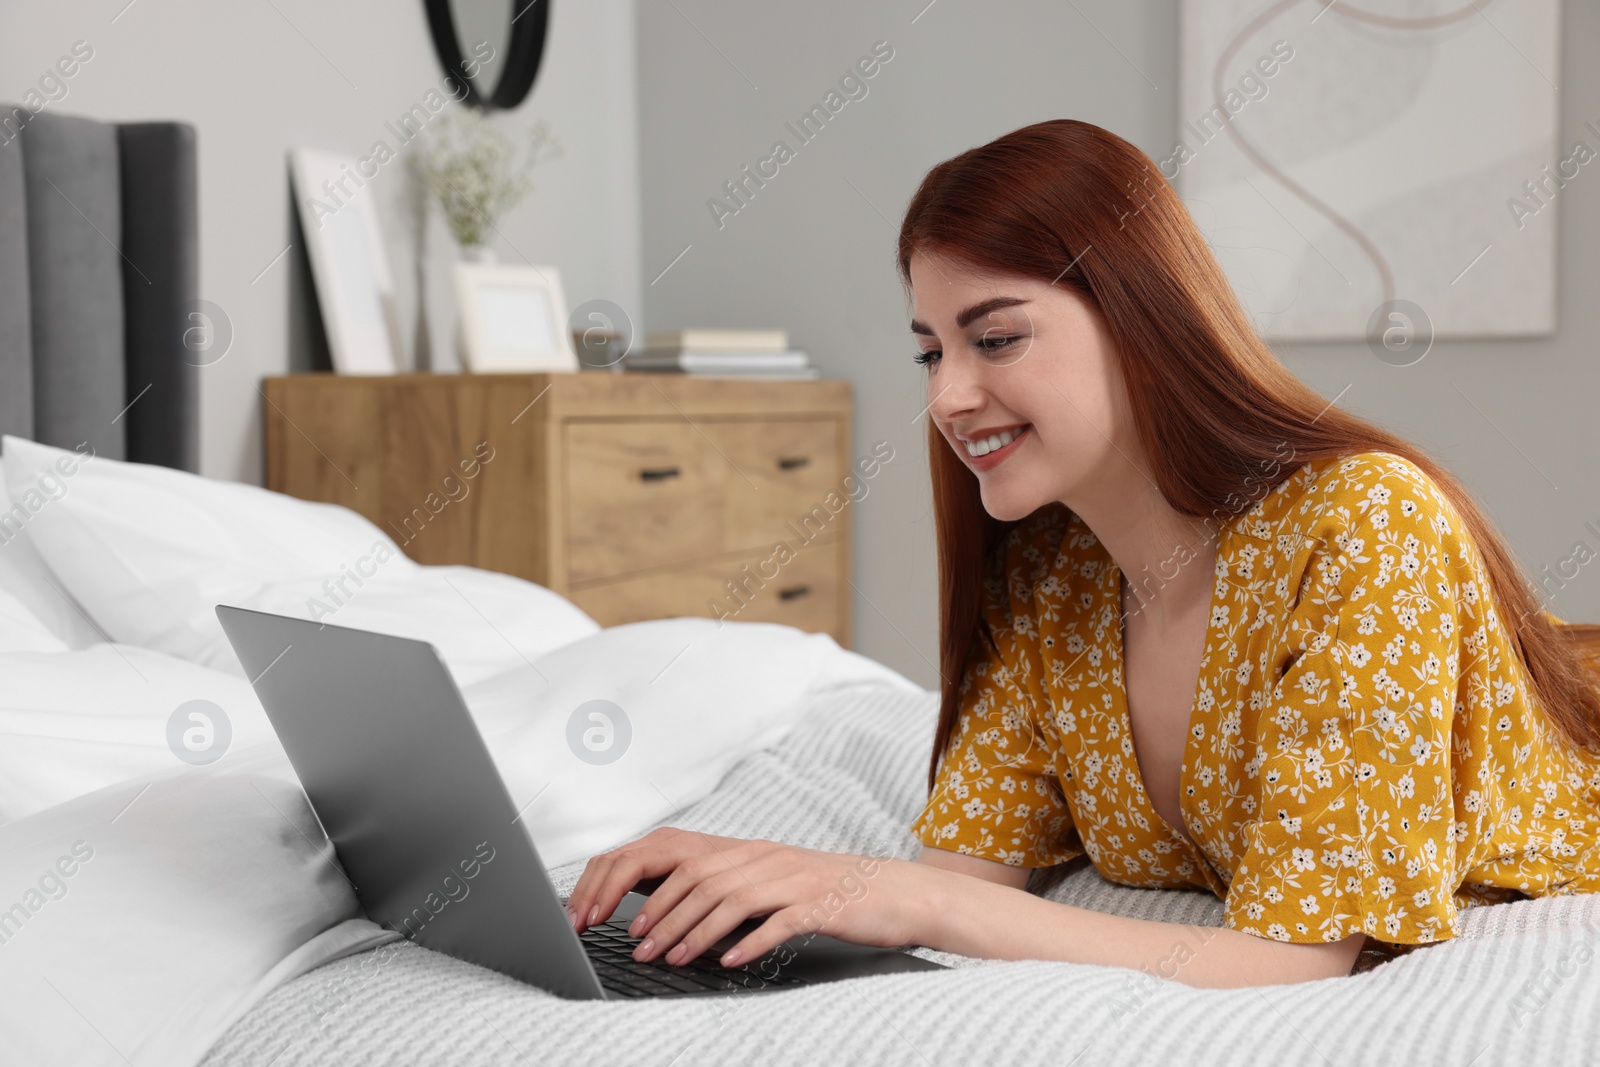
(1343, 712)
(1350, 719)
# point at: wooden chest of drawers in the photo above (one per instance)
(637, 496)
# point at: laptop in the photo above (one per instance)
(427, 834)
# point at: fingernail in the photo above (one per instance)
(639, 924)
(731, 957)
(594, 914)
(644, 949)
(678, 952)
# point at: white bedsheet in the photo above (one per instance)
(208, 903)
(1518, 987)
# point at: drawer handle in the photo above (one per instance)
(794, 592)
(658, 474)
(792, 463)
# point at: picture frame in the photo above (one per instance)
(513, 319)
(349, 266)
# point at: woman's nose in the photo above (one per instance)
(956, 390)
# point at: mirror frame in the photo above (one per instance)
(524, 53)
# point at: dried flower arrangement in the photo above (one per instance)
(472, 168)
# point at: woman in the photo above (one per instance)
(1197, 623)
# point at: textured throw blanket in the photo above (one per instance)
(1521, 985)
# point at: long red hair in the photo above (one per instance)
(1069, 202)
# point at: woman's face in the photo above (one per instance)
(1023, 382)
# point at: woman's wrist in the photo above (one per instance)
(977, 917)
(936, 901)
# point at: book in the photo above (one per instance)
(789, 361)
(716, 340)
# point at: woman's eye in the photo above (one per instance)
(990, 344)
(922, 359)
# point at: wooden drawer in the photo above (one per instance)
(786, 467)
(637, 495)
(640, 495)
(805, 592)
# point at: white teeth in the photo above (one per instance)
(991, 443)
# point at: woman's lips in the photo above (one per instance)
(991, 460)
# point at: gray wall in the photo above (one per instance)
(814, 249)
(257, 79)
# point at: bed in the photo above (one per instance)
(179, 913)
(167, 896)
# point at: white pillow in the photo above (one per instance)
(24, 575)
(696, 698)
(162, 911)
(149, 552)
(75, 721)
(22, 631)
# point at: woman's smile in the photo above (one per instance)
(987, 449)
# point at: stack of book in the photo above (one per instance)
(745, 353)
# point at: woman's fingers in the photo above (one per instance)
(609, 876)
(780, 926)
(712, 884)
(596, 895)
(711, 911)
(721, 859)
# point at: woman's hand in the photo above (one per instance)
(713, 884)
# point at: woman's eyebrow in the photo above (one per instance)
(974, 312)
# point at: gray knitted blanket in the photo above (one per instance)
(1521, 985)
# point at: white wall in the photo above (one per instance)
(259, 78)
(814, 250)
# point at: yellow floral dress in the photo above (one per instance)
(1364, 754)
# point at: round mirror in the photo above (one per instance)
(489, 48)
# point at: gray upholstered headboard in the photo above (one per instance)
(99, 275)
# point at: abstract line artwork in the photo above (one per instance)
(1346, 158)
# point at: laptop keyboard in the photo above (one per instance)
(610, 948)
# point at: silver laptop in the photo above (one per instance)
(425, 830)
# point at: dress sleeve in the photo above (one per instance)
(997, 795)
(1353, 754)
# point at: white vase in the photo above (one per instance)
(478, 254)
